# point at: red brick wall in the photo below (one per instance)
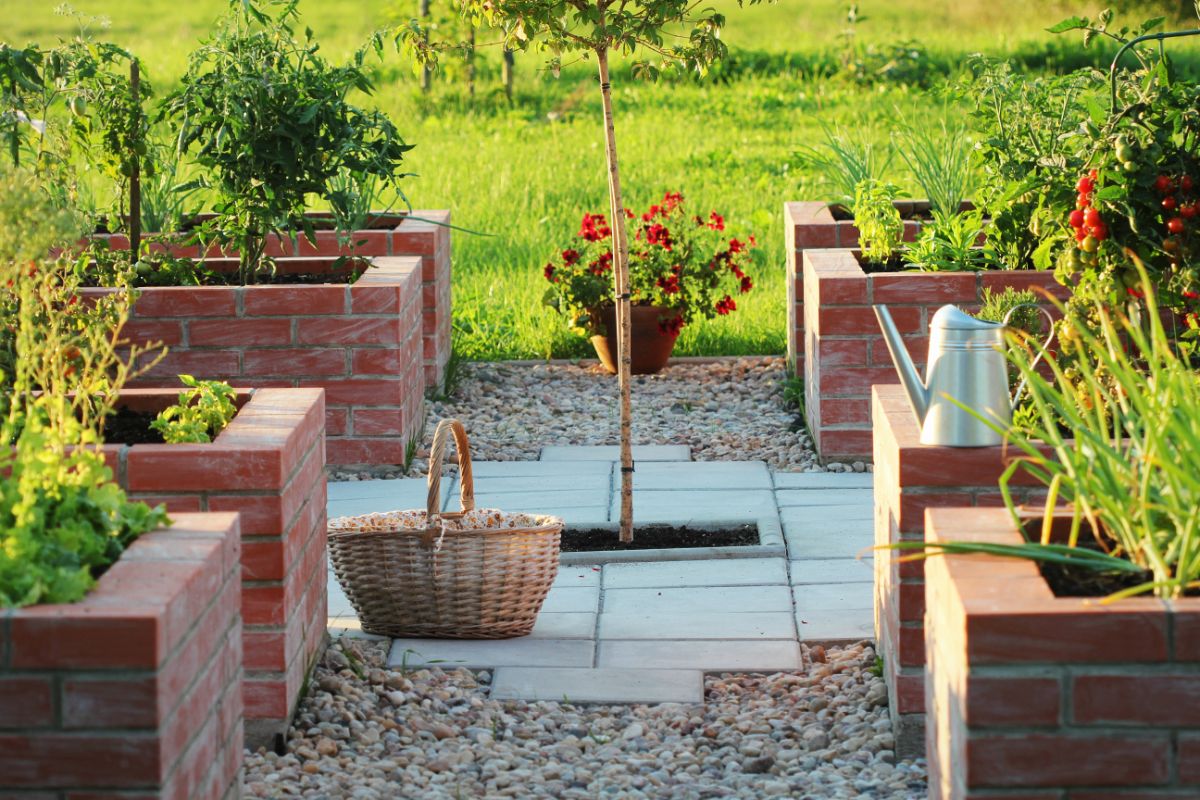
(361, 343)
(136, 690)
(401, 236)
(1037, 696)
(845, 354)
(909, 478)
(268, 465)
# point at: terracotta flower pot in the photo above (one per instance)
(650, 345)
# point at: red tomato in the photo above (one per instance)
(1080, 234)
(1169, 203)
(1086, 185)
(1091, 217)
(1076, 219)
(1188, 211)
(1175, 225)
(1186, 183)
(1099, 231)
(1164, 185)
(1083, 200)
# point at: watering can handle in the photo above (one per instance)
(1016, 398)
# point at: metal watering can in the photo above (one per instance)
(966, 362)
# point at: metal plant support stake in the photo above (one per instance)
(1160, 37)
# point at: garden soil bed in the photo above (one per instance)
(128, 426)
(653, 537)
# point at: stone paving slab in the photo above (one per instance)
(831, 570)
(819, 515)
(682, 506)
(823, 498)
(711, 475)
(714, 655)
(828, 539)
(599, 685)
(551, 484)
(764, 625)
(834, 597)
(565, 625)
(697, 600)
(490, 653)
(835, 626)
(538, 502)
(402, 492)
(538, 469)
(823, 480)
(577, 576)
(584, 598)
(726, 572)
(612, 452)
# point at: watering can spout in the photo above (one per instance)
(918, 394)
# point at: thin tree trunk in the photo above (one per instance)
(135, 174)
(427, 72)
(621, 279)
(507, 74)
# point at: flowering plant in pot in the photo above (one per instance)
(682, 266)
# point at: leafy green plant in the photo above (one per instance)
(845, 162)
(950, 243)
(941, 164)
(200, 414)
(271, 123)
(62, 519)
(880, 228)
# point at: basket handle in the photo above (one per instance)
(437, 453)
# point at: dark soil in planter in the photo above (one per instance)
(894, 264)
(131, 427)
(652, 537)
(1069, 581)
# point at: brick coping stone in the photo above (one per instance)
(1033, 695)
(135, 690)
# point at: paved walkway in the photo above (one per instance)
(646, 630)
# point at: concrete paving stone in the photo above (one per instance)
(684, 506)
(819, 498)
(770, 655)
(709, 475)
(834, 596)
(538, 502)
(402, 492)
(339, 604)
(538, 469)
(823, 480)
(715, 572)
(612, 452)
(697, 600)
(831, 570)
(526, 651)
(763, 625)
(831, 539)
(599, 685)
(551, 484)
(836, 625)
(824, 515)
(371, 505)
(565, 625)
(562, 600)
(577, 576)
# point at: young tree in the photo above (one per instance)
(673, 33)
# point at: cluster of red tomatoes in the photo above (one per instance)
(1089, 226)
(1178, 205)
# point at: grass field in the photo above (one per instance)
(524, 174)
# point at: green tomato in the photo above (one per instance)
(1125, 153)
(1129, 167)
(1090, 244)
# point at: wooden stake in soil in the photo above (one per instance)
(621, 279)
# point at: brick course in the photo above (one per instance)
(267, 465)
(362, 343)
(844, 353)
(1033, 695)
(80, 716)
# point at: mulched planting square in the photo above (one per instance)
(653, 537)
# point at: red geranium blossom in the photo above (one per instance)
(725, 305)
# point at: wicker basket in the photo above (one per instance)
(470, 574)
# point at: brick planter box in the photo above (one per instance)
(390, 235)
(136, 690)
(845, 354)
(268, 464)
(1037, 696)
(361, 343)
(909, 478)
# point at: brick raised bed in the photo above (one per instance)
(361, 343)
(1054, 698)
(268, 464)
(390, 235)
(845, 354)
(909, 478)
(136, 690)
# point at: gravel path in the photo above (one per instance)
(725, 410)
(365, 732)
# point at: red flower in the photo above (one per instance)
(736, 270)
(629, 214)
(594, 228)
(671, 326)
(671, 200)
(602, 264)
(570, 257)
(549, 273)
(747, 284)
(725, 305)
(669, 284)
(658, 234)
(735, 246)
(716, 221)
(1191, 295)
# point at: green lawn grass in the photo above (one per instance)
(524, 174)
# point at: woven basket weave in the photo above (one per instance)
(470, 574)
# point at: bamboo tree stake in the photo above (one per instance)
(426, 72)
(621, 279)
(507, 74)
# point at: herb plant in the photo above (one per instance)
(200, 414)
(269, 119)
(880, 228)
(941, 164)
(950, 243)
(845, 162)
